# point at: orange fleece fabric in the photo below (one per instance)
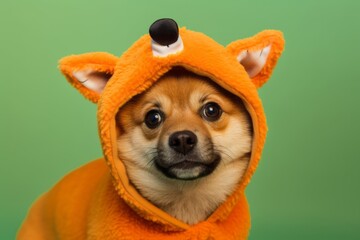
(97, 201)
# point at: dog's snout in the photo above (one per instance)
(182, 141)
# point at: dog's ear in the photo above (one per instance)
(89, 72)
(258, 54)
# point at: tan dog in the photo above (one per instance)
(186, 143)
(181, 145)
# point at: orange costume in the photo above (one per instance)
(97, 201)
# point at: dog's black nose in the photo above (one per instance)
(183, 141)
(164, 31)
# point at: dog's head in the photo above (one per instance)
(183, 127)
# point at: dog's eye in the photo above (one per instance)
(211, 112)
(153, 118)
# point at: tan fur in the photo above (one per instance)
(180, 96)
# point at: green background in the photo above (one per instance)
(307, 184)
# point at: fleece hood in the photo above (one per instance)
(241, 68)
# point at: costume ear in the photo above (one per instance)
(89, 73)
(258, 54)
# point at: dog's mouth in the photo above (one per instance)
(189, 169)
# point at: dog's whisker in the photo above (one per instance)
(224, 150)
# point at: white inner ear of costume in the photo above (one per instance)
(254, 61)
(93, 80)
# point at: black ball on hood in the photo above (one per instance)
(164, 31)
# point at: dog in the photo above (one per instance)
(178, 148)
(186, 142)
